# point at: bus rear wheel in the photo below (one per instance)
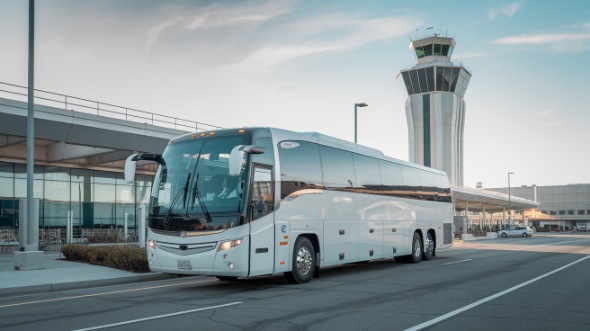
(303, 264)
(428, 248)
(416, 255)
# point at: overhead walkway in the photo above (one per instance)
(75, 132)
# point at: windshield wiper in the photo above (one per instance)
(175, 200)
(197, 194)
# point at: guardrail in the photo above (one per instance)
(68, 102)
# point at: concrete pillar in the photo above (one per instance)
(29, 257)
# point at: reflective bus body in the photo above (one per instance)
(259, 201)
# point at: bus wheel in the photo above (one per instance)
(428, 248)
(303, 265)
(416, 256)
(226, 278)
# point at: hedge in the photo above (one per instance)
(124, 257)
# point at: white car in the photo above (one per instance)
(516, 231)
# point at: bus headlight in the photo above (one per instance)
(151, 244)
(229, 244)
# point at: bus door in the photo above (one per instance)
(261, 222)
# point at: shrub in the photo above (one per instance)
(124, 257)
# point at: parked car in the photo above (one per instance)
(516, 231)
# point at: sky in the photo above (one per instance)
(302, 65)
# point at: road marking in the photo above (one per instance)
(458, 261)
(563, 242)
(105, 293)
(157, 317)
(490, 298)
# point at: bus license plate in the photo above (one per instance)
(184, 264)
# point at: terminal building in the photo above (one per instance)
(80, 149)
(561, 207)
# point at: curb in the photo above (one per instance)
(56, 287)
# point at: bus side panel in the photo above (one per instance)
(298, 214)
(262, 235)
(393, 238)
(282, 247)
(370, 240)
(372, 214)
(340, 242)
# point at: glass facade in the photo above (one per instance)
(436, 78)
(433, 49)
(95, 198)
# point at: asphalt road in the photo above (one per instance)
(539, 283)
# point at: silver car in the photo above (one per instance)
(516, 231)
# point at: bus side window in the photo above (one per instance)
(262, 194)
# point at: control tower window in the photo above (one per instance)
(437, 49)
(419, 52)
(430, 78)
(445, 50)
(428, 50)
(408, 82)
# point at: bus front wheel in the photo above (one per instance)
(303, 264)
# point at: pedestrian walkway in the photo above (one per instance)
(58, 275)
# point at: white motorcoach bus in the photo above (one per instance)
(257, 201)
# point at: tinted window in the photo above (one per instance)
(428, 50)
(422, 79)
(430, 78)
(407, 82)
(366, 170)
(300, 166)
(337, 168)
(411, 177)
(262, 197)
(391, 175)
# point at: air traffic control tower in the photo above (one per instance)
(435, 108)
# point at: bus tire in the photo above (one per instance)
(428, 248)
(416, 255)
(303, 264)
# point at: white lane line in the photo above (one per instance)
(104, 293)
(457, 261)
(157, 317)
(562, 242)
(490, 298)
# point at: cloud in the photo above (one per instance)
(545, 113)
(256, 36)
(176, 20)
(508, 10)
(327, 34)
(559, 42)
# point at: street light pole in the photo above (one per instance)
(356, 105)
(509, 202)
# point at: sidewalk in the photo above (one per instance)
(59, 275)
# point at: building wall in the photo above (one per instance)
(437, 141)
(565, 202)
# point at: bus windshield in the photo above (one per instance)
(192, 188)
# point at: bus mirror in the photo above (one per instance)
(130, 168)
(132, 160)
(237, 158)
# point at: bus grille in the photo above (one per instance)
(185, 250)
